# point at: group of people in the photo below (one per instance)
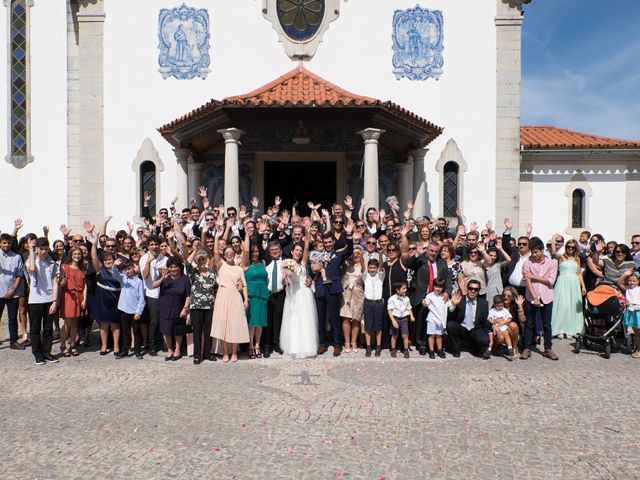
(221, 281)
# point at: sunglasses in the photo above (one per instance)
(635, 243)
(391, 250)
(371, 243)
(523, 244)
(164, 212)
(473, 253)
(473, 289)
(412, 248)
(338, 223)
(570, 247)
(109, 246)
(619, 252)
(360, 226)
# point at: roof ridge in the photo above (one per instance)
(582, 134)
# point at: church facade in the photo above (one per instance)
(306, 99)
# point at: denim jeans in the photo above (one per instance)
(533, 314)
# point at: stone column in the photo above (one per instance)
(404, 172)
(371, 185)
(508, 23)
(194, 174)
(419, 183)
(182, 177)
(231, 166)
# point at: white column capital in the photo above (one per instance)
(418, 154)
(182, 154)
(371, 135)
(231, 135)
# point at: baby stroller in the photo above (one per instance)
(603, 321)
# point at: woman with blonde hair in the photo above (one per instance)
(566, 317)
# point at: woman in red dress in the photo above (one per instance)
(73, 299)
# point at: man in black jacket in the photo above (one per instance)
(427, 268)
(468, 322)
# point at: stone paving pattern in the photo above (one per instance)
(326, 418)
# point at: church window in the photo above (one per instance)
(577, 208)
(450, 191)
(148, 185)
(300, 19)
(19, 83)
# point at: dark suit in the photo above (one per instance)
(420, 265)
(328, 296)
(275, 308)
(478, 336)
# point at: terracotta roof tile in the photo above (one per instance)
(554, 138)
(299, 88)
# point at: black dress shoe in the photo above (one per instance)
(279, 350)
(50, 358)
(196, 361)
(337, 351)
(176, 358)
(16, 346)
(212, 358)
(486, 355)
(322, 349)
(153, 353)
(266, 354)
(139, 355)
(168, 359)
(422, 351)
(456, 354)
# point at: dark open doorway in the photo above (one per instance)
(301, 181)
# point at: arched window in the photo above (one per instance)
(148, 185)
(450, 186)
(577, 208)
(19, 148)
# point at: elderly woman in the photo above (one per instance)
(173, 305)
(352, 299)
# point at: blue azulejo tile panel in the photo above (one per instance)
(418, 43)
(183, 42)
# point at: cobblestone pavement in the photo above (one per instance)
(326, 418)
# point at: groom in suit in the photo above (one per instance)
(275, 307)
(328, 294)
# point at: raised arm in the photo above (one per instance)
(94, 253)
(103, 228)
(246, 251)
(505, 255)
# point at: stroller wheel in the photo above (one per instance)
(607, 350)
(629, 344)
(578, 344)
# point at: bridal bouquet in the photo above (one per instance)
(290, 268)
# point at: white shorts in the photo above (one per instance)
(433, 329)
(504, 328)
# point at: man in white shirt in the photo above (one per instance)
(152, 264)
(10, 279)
(43, 299)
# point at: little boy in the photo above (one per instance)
(437, 318)
(500, 317)
(399, 310)
(131, 305)
(318, 255)
(373, 305)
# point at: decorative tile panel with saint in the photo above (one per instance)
(418, 43)
(183, 35)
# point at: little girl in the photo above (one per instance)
(632, 312)
(437, 318)
(500, 317)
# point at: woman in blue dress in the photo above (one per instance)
(104, 307)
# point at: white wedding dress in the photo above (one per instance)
(299, 330)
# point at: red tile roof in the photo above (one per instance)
(554, 138)
(300, 88)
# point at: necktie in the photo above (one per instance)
(274, 277)
(430, 289)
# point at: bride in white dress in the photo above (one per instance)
(299, 331)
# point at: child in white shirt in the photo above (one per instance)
(437, 318)
(399, 310)
(632, 311)
(500, 317)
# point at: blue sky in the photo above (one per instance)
(581, 66)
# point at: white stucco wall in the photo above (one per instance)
(356, 55)
(605, 207)
(37, 193)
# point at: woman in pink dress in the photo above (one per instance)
(229, 324)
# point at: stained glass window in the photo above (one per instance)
(450, 189)
(300, 19)
(577, 209)
(19, 59)
(148, 185)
